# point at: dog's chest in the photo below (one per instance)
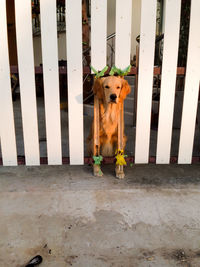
(109, 120)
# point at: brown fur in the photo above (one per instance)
(109, 112)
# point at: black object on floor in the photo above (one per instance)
(34, 261)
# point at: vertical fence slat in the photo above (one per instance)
(27, 81)
(191, 88)
(168, 83)
(51, 79)
(75, 80)
(145, 80)
(98, 33)
(7, 129)
(123, 33)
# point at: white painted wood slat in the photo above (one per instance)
(98, 33)
(27, 81)
(51, 80)
(75, 80)
(191, 88)
(145, 80)
(168, 82)
(7, 129)
(123, 33)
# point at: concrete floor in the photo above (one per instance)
(152, 218)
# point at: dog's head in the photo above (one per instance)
(111, 89)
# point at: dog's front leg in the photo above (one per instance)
(119, 170)
(97, 170)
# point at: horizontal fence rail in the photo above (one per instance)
(87, 70)
(75, 70)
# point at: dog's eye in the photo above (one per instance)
(118, 87)
(107, 87)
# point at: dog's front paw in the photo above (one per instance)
(120, 175)
(119, 172)
(97, 171)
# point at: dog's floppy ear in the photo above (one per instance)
(98, 88)
(125, 90)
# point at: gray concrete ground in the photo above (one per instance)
(150, 219)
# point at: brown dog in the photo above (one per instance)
(110, 91)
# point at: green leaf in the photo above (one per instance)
(99, 74)
(112, 71)
(126, 70)
(103, 71)
(97, 159)
(93, 69)
(120, 72)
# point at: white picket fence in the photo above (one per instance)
(98, 58)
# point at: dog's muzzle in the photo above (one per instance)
(113, 98)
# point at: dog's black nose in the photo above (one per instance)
(113, 97)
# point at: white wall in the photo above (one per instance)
(110, 29)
